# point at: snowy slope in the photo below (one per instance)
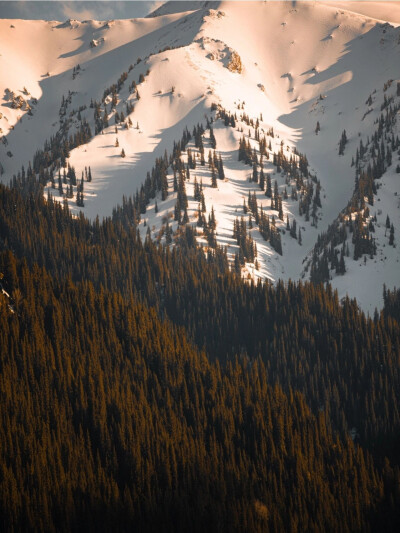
(301, 63)
(381, 11)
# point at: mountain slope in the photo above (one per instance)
(291, 67)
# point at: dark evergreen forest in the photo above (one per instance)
(148, 388)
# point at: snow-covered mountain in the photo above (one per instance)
(284, 86)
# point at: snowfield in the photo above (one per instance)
(305, 70)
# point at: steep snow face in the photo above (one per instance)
(42, 56)
(304, 69)
(380, 11)
(168, 8)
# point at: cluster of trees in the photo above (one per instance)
(227, 117)
(156, 181)
(75, 71)
(209, 228)
(132, 208)
(295, 169)
(364, 243)
(65, 102)
(328, 257)
(246, 153)
(56, 150)
(305, 187)
(199, 194)
(247, 246)
(371, 161)
(292, 229)
(390, 227)
(330, 260)
(216, 167)
(198, 132)
(69, 181)
(80, 200)
(379, 154)
(268, 230)
(165, 394)
(181, 200)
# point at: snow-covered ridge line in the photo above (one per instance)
(172, 7)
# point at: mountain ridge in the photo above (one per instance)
(187, 55)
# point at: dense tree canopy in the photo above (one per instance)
(150, 388)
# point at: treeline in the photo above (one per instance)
(238, 420)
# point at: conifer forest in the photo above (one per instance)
(148, 388)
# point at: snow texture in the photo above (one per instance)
(301, 63)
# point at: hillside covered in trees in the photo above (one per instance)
(151, 389)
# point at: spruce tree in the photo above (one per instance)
(391, 237)
(268, 190)
(213, 177)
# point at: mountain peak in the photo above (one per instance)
(176, 6)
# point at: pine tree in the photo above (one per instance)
(60, 185)
(391, 237)
(213, 177)
(293, 230)
(342, 143)
(254, 177)
(168, 232)
(268, 190)
(199, 217)
(212, 222)
(185, 219)
(203, 202)
(262, 179)
(213, 141)
(280, 209)
(341, 268)
(105, 118)
(177, 211)
(221, 173)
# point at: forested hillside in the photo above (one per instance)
(150, 389)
